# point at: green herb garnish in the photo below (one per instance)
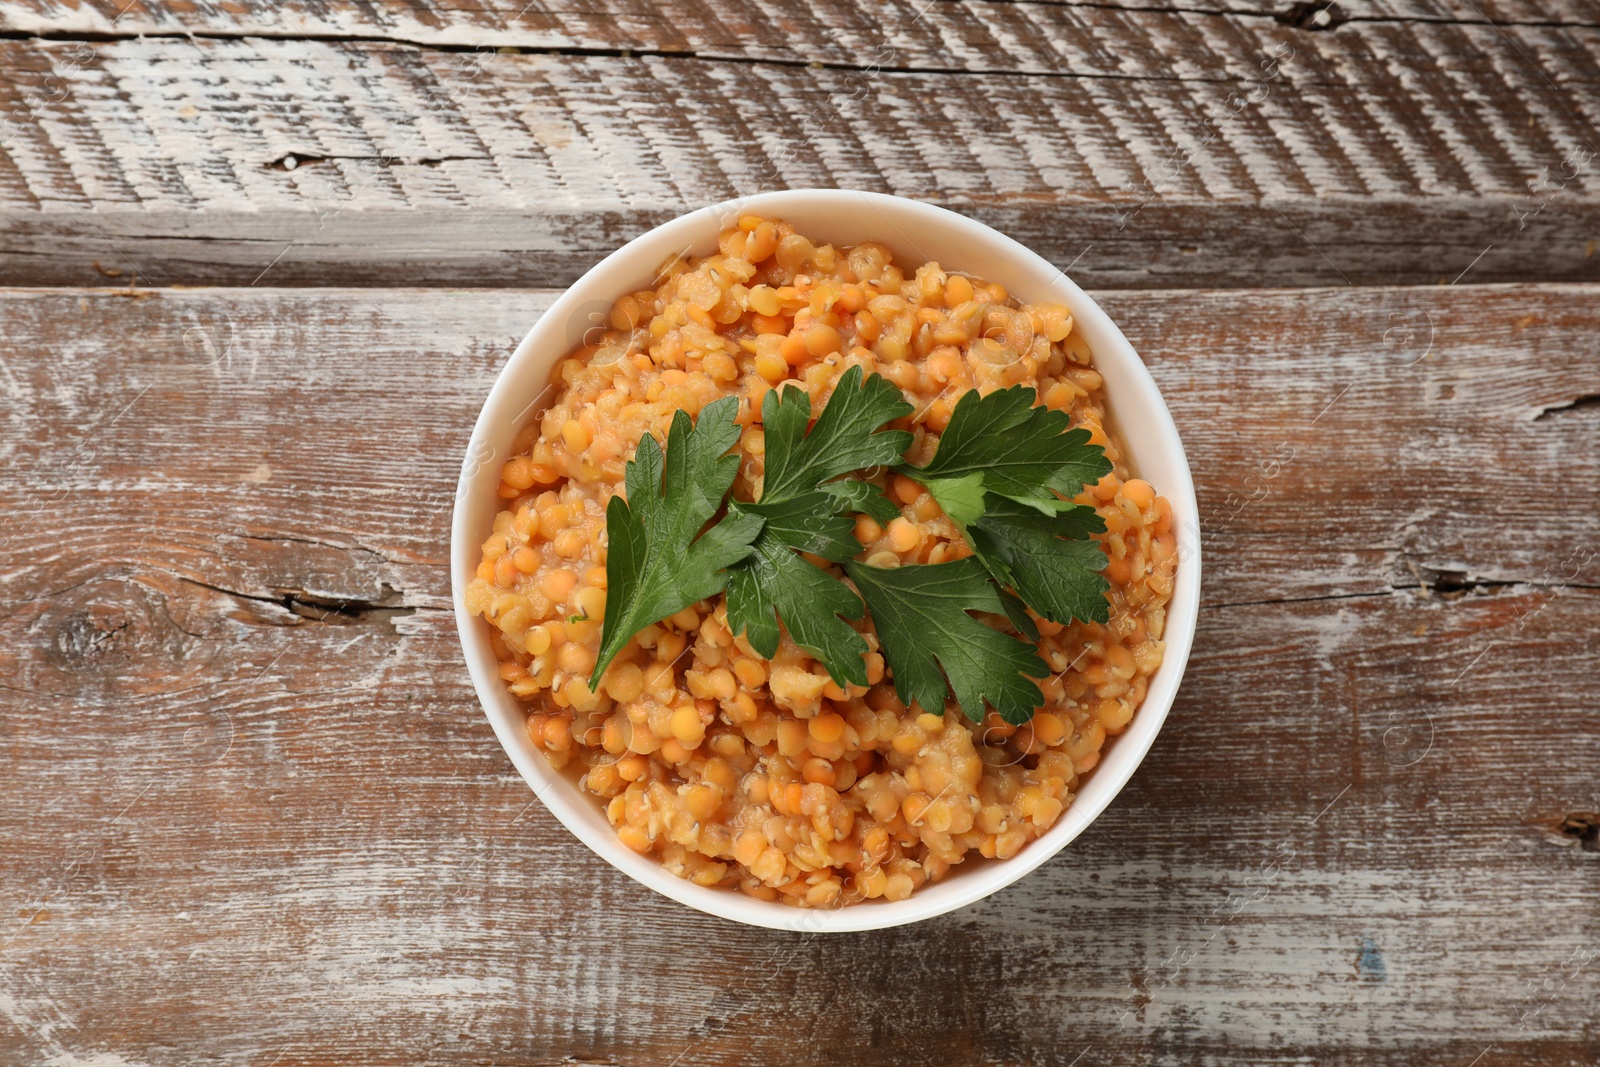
(658, 560)
(921, 615)
(805, 512)
(1000, 463)
(1000, 472)
(857, 495)
(1002, 444)
(1046, 558)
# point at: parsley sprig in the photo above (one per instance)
(921, 613)
(1000, 463)
(1004, 471)
(658, 560)
(805, 511)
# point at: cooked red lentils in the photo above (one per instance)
(765, 775)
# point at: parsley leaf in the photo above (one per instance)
(1010, 447)
(921, 616)
(997, 470)
(809, 522)
(775, 581)
(1017, 612)
(1047, 559)
(658, 561)
(960, 497)
(857, 495)
(800, 511)
(843, 440)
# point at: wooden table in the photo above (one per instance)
(263, 261)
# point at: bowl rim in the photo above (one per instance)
(698, 228)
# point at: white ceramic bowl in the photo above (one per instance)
(916, 232)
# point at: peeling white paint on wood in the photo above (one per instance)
(752, 28)
(1146, 148)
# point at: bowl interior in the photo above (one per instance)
(915, 232)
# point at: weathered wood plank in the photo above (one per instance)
(675, 25)
(357, 874)
(238, 833)
(1140, 148)
(1341, 416)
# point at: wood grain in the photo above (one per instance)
(1139, 148)
(254, 815)
(691, 25)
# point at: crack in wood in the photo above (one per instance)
(1580, 828)
(709, 54)
(1307, 15)
(81, 637)
(1314, 16)
(316, 542)
(294, 160)
(1449, 583)
(332, 609)
(1268, 601)
(1438, 583)
(1585, 828)
(100, 37)
(1396, 20)
(1590, 402)
(325, 609)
